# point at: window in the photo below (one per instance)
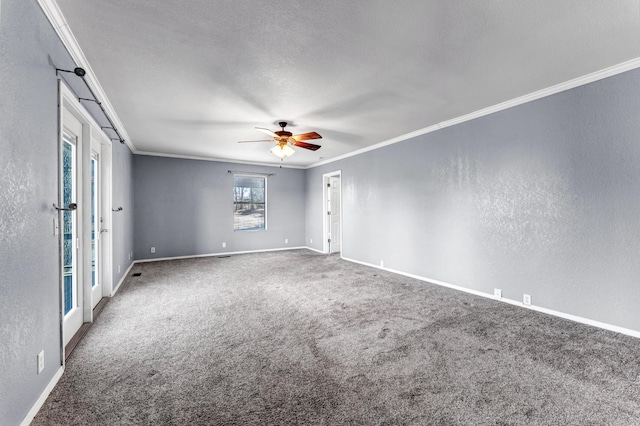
(249, 203)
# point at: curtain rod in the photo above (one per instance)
(251, 173)
(80, 72)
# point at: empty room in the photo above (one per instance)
(319, 213)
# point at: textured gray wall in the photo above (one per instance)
(29, 282)
(540, 199)
(185, 207)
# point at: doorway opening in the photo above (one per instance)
(332, 212)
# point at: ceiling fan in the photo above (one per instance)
(284, 139)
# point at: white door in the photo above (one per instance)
(334, 216)
(96, 224)
(70, 173)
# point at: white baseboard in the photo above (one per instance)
(582, 320)
(42, 398)
(316, 250)
(122, 278)
(228, 253)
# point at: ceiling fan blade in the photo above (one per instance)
(267, 131)
(305, 145)
(307, 136)
(262, 140)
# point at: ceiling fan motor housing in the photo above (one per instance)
(283, 133)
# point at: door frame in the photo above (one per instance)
(326, 248)
(90, 130)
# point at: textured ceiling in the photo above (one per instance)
(193, 77)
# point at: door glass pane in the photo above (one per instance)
(95, 227)
(68, 224)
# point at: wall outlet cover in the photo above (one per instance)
(526, 299)
(497, 293)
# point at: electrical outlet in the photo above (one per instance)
(497, 293)
(224, 245)
(526, 299)
(129, 255)
(311, 241)
(382, 263)
(153, 249)
(41, 361)
(286, 241)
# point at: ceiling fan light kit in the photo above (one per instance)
(282, 150)
(284, 139)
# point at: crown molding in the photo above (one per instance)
(56, 18)
(218, 160)
(571, 84)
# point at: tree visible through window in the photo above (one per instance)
(249, 203)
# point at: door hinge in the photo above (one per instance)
(329, 185)
(329, 213)
(329, 240)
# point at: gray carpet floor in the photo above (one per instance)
(296, 337)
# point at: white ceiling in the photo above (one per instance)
(193, 77)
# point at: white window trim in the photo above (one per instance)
(266, 199)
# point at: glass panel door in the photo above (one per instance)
(69, 225)
(96, 226)
(94, 219)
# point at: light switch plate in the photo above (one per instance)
(41, 361)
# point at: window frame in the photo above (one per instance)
(249, 175)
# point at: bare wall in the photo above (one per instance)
(541, 199)
(185, 207)
(122, 221)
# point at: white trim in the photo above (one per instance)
(61, 27)
(124, 276)
(316, 250)
(228, 253)
(219, 160)
(575, 318)
(567, 85)
(42, 398)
